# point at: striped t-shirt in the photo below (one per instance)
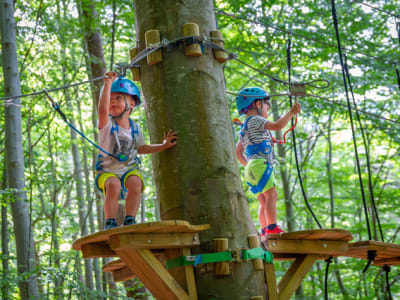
(254, 133)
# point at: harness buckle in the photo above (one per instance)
(236, 255)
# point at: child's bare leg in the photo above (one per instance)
(261, 211)
(134, 186)
(271, 196)
(113, 188)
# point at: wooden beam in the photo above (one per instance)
(152, 274)
(306, 246)
(122, 274)
(154, 240)
(189, 274)
(95, 250)
(293, 277)
(270, 280)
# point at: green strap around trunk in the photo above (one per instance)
(246, 254)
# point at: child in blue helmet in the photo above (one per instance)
(255, 151)
(122, 137)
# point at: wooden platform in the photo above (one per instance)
(140, 247)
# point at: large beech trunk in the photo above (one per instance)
(198, 180)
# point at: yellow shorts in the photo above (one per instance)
(257, 174)
(102, 178)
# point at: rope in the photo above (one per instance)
(53, 90)
(335, 22)
(386, 269)
(63, 116)
(328, 262)
(371, 190)
(255, 21)
(288, 43)
(398, 78)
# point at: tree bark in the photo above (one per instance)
(198, 180)
(14, 155)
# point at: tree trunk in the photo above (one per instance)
(198, 180)
(15, 156)
(4, 241)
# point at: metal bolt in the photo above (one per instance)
(149, 241)
(324, 245)
(273, 244)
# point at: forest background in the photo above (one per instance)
(53, 40)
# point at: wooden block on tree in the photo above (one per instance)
(192, 29)
(154, 240)
(220, 245)
(152, 274)
(153, 37)
(254, 243)
(220, 55)
(133, 52)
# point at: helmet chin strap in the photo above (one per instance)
(127, 108)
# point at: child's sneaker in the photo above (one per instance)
(277, 229)
(110, 223)
(129, 220)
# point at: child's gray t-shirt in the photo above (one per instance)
(127, 146)
(254, 133)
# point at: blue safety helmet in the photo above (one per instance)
(123, 85)
(247, 96)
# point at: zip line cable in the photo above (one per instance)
(290, 32)
(371, 190)
(288, 44)
(377, 8)
(54, 89)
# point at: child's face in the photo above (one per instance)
(117, 103)
(264, 110)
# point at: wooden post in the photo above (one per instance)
(135, 71)
(192, 29)
(220, 55)
(153, 37)
(220, 245)
(254, 243)
(270, 280)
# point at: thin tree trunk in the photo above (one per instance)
(14, 155)
(198, 180)
(4, 240)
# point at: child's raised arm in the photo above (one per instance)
(169, 141)
(104, 102)
(282, 122)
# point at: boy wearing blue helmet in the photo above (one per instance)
(122, 137)
(255, 151)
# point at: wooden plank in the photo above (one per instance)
(189, 274)
(155, 227)
(113, 265)
(315, 234)
(306, 246)
(152, 274)
(96, 250)
(293, 277)
(270, 280)
(392, 261)
(154, 240)
(123, 274)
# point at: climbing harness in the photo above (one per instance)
(239, 255)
